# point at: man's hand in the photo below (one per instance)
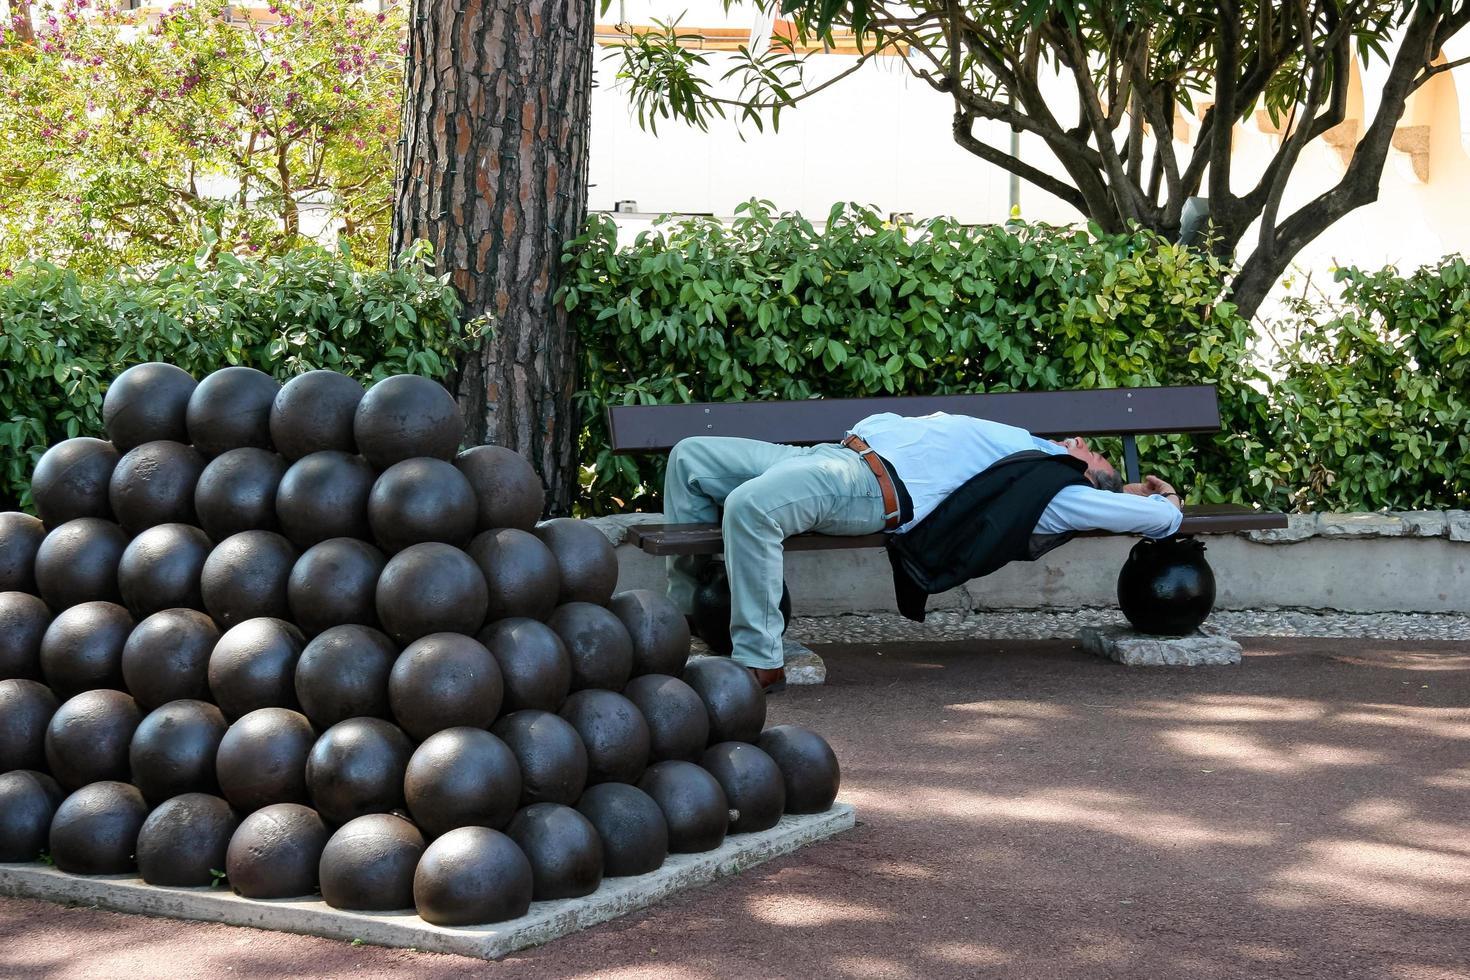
(1151, 485)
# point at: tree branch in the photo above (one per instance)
(965, 137)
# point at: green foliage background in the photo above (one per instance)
(64, 336)
(1345, 416)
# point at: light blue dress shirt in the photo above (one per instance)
(934, 454)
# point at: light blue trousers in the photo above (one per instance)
(768, 492)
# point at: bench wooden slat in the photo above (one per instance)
(1099, 412)
(704, 539)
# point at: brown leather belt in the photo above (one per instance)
(885, 482)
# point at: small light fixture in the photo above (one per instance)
(625, 207)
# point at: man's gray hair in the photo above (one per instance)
(1105, 479)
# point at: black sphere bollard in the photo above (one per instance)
(185, 841)
(28, 802)
(166, 657)
(430, 588)
(736, 704)
(324, 496)
(443, 681)
(563, 848)
(586, 563)
(254, 666)
(421, 500)
(313, 412)
(23, 622)
(160, 569)
(343, 673)
(692, 802)
(95, 829)
(275, 852)
(230, 409)
(657, 629)
(21, 538)
(552, 758)
(808, 767)
(753, 785)
(597, 643)
(368, 864)
(154, 484)
(237, 492)
(634, 833)
(72, 479)
(357, 768)
(26, 709)
(262, 759)
(1166, 587)
(461, 777)
(78, 563)
(678, 722)
(507, 489)
(335, 583)
(173, 750)
(88, 737)
(472, 876)
(146, 403)
(246, 577)
(614, 732)
(82, 648)
(520, 572)
(406, 416)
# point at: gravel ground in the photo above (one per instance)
(942, 625)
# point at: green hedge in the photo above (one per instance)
(768, 307)
(1362, 407)
(63, 337)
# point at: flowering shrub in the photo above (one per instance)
(128, 138)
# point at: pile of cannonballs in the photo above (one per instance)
(291, 639)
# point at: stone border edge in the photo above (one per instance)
(544, 922)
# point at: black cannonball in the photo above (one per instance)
(597, 643)
(658, 630)
(551, 755)
(166, 657)
(78, 563)
(585, 561)
(343, 673)
(254, 666)
(231, 409)
(533, 661)
(237, 492)
(160, 569)
(21, 540)
(82, 648)
(28, 801)
(335, 583)
(472, 876)
(406, 416)
(693, 803)
(314, 412)
(678, 722)
(808, 767)
(246, 576)
(154, 484)
(173, 750)
(72, 479)
(185, 840)
(736, 703)
(430, 588)
(711, 607)
(634, 833)
(356, 768)
(23, 622)
(508, 492)
(563, 848)
(275, 851)
(26, 709)
(87, 739)
(442, 681)
(1166, 588)
(459, 777)
(325, 495)
(753, 784)
(421, 500)
(95, 829)
(614, 732)
(368, 864)
(262, 759)
(520, 572)
(146, 403)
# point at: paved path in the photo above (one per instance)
(1026, 812)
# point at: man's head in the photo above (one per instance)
(1100, 472)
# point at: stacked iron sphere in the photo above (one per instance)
(290, 635)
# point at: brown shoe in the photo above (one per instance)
(771, 679)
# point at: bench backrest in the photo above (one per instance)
(1126, 412)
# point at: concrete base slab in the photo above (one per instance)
(1207, 647)
(544, 922)
(803, 665)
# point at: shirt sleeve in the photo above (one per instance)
(1079, 508)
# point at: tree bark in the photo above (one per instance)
(492, 170)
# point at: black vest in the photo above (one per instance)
(985, 524)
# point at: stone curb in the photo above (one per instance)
(1207, 647)
(544, 922)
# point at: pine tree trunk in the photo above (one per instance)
(492, 169)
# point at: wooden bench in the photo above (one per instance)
(1125, 412)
